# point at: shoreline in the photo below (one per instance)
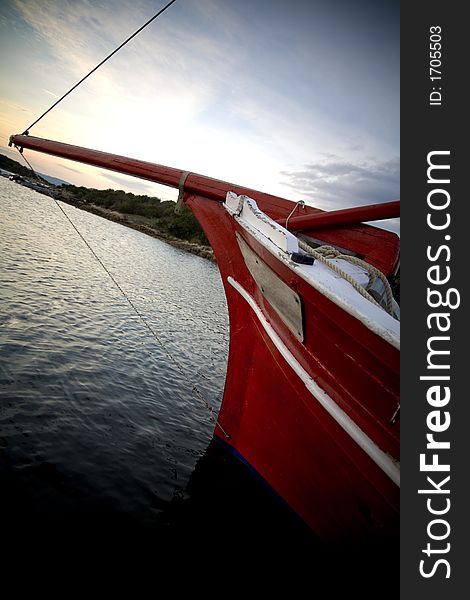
(128, 220)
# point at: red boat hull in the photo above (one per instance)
(338, 473)
(273, 421)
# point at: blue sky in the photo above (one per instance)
(297, 98)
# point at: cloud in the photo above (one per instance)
(51, 94)
(125, 181)
(236, 92)
(163, 80)
(62, 166)
(333, 183)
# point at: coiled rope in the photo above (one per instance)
(324, 254)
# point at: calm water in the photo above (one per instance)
(85, 386)
(105, 450)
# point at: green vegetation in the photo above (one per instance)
(144, 213)
(144, 210)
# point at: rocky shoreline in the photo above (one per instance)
(129, 221)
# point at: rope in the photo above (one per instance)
(179, 202)
(194, 388)
(29, 164)
(25, 132)
(325, 253)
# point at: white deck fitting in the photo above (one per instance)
(281, 243)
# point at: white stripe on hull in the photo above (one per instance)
(389, 466)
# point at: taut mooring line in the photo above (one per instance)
(194, 388)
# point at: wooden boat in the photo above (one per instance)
(311, 400)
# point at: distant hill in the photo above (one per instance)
(8, 164)
(13, 166)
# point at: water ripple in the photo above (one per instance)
(86, 393)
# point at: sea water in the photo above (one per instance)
(97, 382)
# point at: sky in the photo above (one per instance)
(297, 98)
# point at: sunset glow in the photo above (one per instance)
(299, 99)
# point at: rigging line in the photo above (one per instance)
(194, 388)
(29, 164)
(25, 132)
